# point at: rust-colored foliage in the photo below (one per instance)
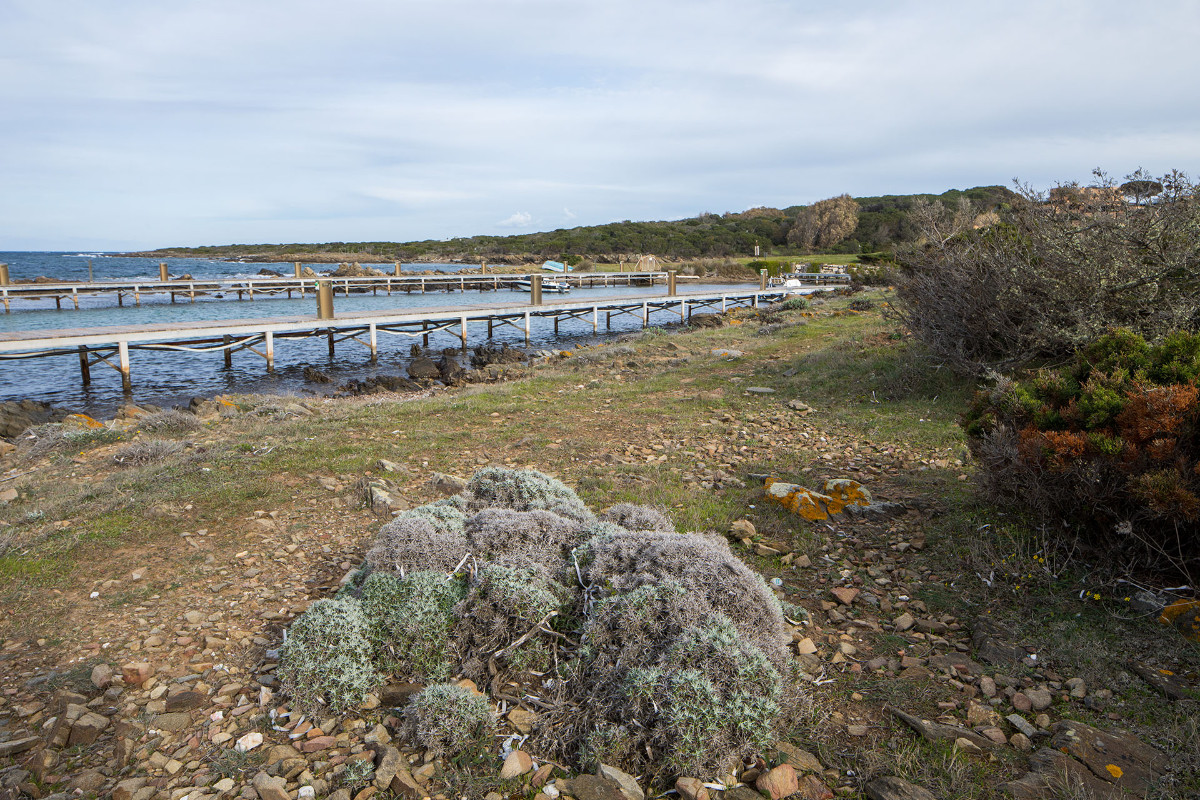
(1156, 411)
(1110, 443)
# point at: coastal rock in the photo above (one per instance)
(17, 417)
(423, 369)
(450, 371)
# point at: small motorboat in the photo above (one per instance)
(522, 285)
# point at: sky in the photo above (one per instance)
(131, 124)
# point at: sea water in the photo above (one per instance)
(173, 378)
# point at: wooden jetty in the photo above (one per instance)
(101, 344)
(299, 286)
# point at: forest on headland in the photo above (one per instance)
(837, 225)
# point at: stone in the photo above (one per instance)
(1040, 699)
(137, 673)
(981, 715)
(1114, 756)
(967, 746)
(126, 789)
(1021, 724)
(175, 721)
(1165, 681)
(185, 701)
(1020, 742)
(742, 529)
(14, 746)
(1021, 702)
(405, 785)
(802, 760)
(891, 787)
(779, 782)
(691, 789)
(722, 352)
(1052, 773)
(904, 621)
(447, 484)
(629, 785)
(270, 787)
(102, 676)
(844, 492)
(845, 594)
(390, 762)
(591, 787)
(522, 719)
(516, 763)
(1185, 616)
(937, 731)
(87, 729)
(810, 787)
(318, 743)
(424, 369)
(805, 503)
(987, 686)
(741, 793)
(806, 646)
(248, 742)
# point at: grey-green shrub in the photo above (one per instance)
(409, 620)
(325, 664)
(448, 719)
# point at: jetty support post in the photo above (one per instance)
(535, 290)
(123, 355)
(671, 273)
(227, 350)
(374, 345)
(645, 314)
(4, 281)
(397, 270)
(490, 323)
(762, 280)
(85, 369)
(269, 349)
(298, 269)
(527, 329)
(462, 332)
(324, 300)
(595, 319)
(483, 267)
(162, 272)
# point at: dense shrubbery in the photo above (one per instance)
(653, 651)
(1051, 274)
(1110, 445)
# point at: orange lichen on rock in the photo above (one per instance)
(83, 421)
(816, 506)
(1185, 616)
(806, 503)
(845, 492)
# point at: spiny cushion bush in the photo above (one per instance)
(409, 620)
(448, 719)
(637, 518)
(169, 421)
(524, 490)
(325, 664)
(1109, 444)
(658, 652)
(410, 543)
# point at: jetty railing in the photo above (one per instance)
(98, 345)
(302, 286)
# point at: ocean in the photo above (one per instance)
(173, 378)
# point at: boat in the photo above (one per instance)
(522, 285)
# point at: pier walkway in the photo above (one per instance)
(101, 344)
(300, 286)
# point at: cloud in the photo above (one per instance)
(203, 123)
(521, 219)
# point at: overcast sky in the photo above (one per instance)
(137, 124)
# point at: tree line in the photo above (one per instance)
(840, 225)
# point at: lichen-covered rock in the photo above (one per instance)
(837, 494)
(806, 503)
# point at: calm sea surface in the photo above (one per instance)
(171, 378)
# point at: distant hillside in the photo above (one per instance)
(883, 222)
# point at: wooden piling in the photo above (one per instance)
(162, 271)
(85, 369)
(228, 351)
(269, 348)
(123, 357)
